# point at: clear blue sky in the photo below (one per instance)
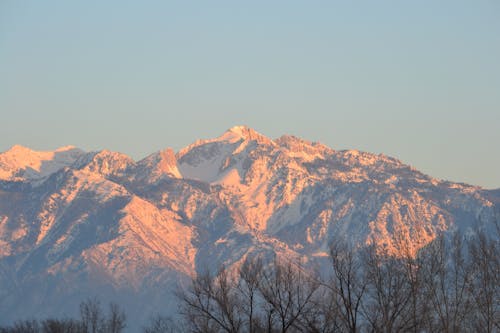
(417, 80)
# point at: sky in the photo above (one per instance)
(416, 80)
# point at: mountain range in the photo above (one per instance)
(75, 224)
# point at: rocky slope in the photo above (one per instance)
(74, 224)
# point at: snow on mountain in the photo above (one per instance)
(211, 160)
(105, 163)
(20, 163)
(74, 224)
(158, 165)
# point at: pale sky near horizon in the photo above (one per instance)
(416, 80)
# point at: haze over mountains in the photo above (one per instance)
(75, 224)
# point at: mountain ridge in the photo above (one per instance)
(101, 222)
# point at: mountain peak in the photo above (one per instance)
(240, 132)
(112, 160)
(18, 149)
(22, 163)
(66, 148)
(235, 134)
(159, 164)
(240, 129)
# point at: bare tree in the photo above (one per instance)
(115, 323)
(212, 304)
(91, 315)
(387, 295)
(289, 295)
(347, 285)
(485, 265)
(419, 310)
(61, 326)
(23, 326)
(250, 274)
(49, 325)
(162, 324)
(446, 283)
(94, 320)
(324, 315)
(277, 297)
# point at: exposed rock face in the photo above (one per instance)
(74, 224)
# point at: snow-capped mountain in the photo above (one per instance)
(74, 224)
(23, 164)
